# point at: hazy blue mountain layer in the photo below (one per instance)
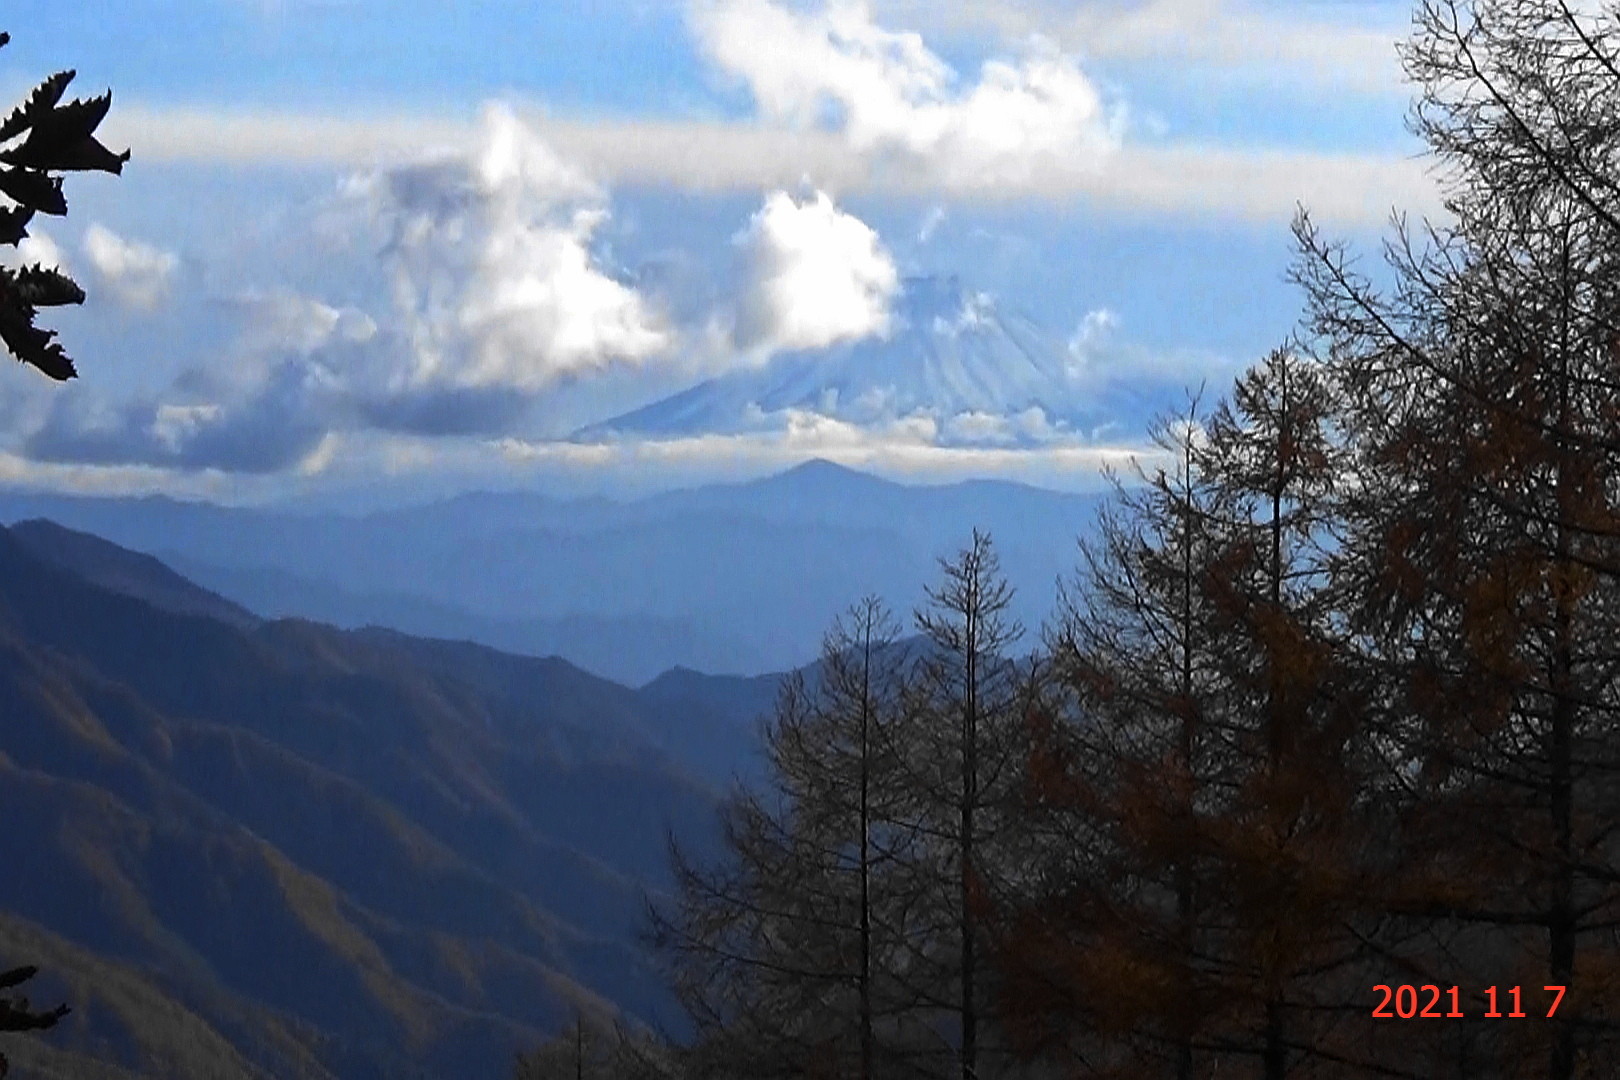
(732, 578)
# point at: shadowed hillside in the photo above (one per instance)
(404, 857)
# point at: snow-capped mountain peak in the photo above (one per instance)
(951, 353)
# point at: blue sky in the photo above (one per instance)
(406, 247)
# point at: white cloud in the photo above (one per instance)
(1204, 181)
(266, 427)
(930, 222)
(818, 276)
(1029, 427)
(888, 94)
(138, 276)
(977, 310)
(1094, 329)
(493, 275)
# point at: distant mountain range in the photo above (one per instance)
(732, 578)
(952, 352)
(243, 847)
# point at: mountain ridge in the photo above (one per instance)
(737, 579)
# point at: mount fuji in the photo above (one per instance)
(980, 372)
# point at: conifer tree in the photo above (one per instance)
(1287, 842)
(1482, 390)
(1099, 964)
(1203, 764)
(579, 1053)
(785, 955)
(963, 765)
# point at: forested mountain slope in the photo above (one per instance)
(315, 851)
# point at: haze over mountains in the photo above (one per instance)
(271, 848)
(729, 579)
(245, 845)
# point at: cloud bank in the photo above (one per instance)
(276, 426)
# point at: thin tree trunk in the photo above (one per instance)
(1561, 919)
(1184, 898)
(866, 851)
(970, 778)
(1276, 1050)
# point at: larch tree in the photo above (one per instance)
(582, 1052)
(788, 955)
(1199, 767)
(1483, 389)
(1099, 961)
(1288, 841)
(963, 760)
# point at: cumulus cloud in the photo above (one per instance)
(495, 283)
(138, 276)
(493, 296)
(817, 276)
(272, 400)
(888, 93)
(1094, 331)
(276, 426)
(286, 322)
(1027, 427)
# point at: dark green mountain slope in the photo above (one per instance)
(391, 857)
(129, 572)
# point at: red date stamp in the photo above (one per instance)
(1407, 1002)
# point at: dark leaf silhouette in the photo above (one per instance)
(14, 223)
(40, 102)
(34, 190)
(29, 343)
(43, 286)
(15, 1013)
(63, 139)
(54, 138)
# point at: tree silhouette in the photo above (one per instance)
(15, 1013)
(963, 763)
(1483, 546)
(1100, 961)
(786, 955)
(40, 137)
